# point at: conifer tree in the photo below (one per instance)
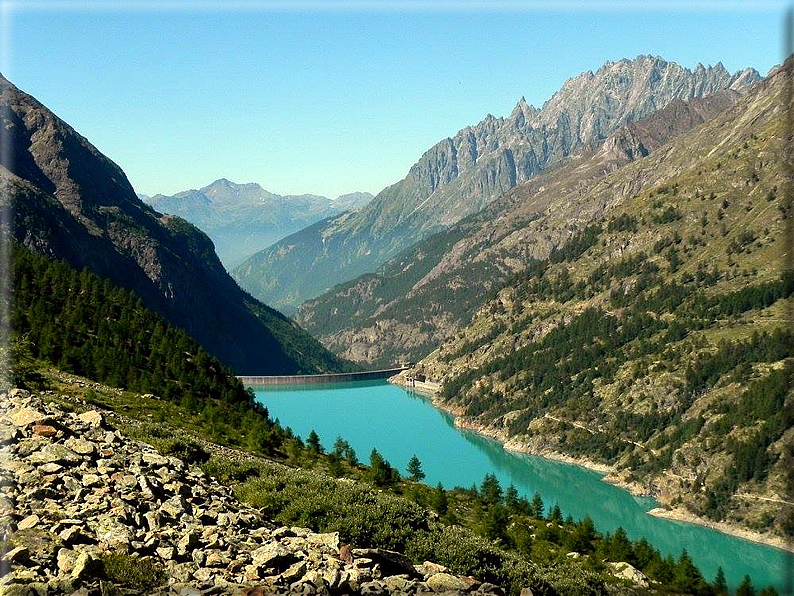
(720, 584)
(313, 443)
(439, 501)
(746, 587)
(415, 472)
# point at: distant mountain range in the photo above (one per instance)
(72, 203)
(242, 219)
(424, 295)
(462, 174)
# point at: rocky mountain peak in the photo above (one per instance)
(461, 174)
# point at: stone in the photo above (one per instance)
(23, 417)
(272, 555)
(92, 418)
(87, 565)
(444, 582)
(282, 532)
(166, 553)
(175, 507)
(629, 573)
(294, 572)
(19, 555)
(44, 430)
(329, 540)
(203, 574)
(30, 521)
(90, 480)
(54, 453)
(187, 543)
(81, 446)
(390, 562)
(51, 468)
(428, 568)
(346, 555)
(66, 559)
(154, 459)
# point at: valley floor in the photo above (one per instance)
(432, 391)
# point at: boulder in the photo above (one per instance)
(87, 565)
(628, 572)
(390, 562)
(444, 582)
(44, 430)
(92, 418)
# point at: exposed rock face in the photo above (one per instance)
(242, 219)
(71, 202)
(112, 494)
(443, 279)
(460, 175)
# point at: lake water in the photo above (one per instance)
(399, 424)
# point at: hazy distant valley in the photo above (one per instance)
(243, 219)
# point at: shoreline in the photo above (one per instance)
(431, 391)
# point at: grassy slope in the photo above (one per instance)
(711, 222)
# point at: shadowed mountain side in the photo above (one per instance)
(72, 203)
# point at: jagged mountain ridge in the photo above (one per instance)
(426, 293)
(70, 202)
(461, 174)
(655, 341)
(242, 219)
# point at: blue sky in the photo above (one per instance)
(329, 98)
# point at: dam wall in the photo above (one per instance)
(264, 381)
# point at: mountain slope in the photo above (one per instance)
(426, 293)
(654, 341)
(460, 175)
(242, 219)
(71, 202)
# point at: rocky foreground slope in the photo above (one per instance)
(79, 500)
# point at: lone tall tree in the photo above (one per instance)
(415, 472)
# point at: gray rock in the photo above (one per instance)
(87, 565)
(81, 446)
(54, 453)
(31, 521)
(444, 582)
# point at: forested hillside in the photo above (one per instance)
(87, 326)
(71, 202)
(421, 297)
(655, 339)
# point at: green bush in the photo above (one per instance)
(132, 572)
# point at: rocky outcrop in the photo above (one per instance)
(75, 490)
(443, 279)
(242, 219)
(70, 202)
(461, 174)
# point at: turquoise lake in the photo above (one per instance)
(399, 424)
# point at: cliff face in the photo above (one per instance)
(462, 174)
(71, 202)
(424, 295)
